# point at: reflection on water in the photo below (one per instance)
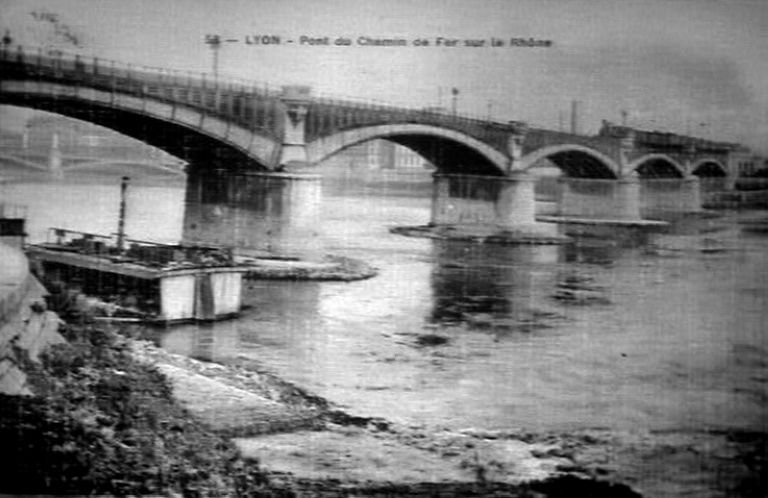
(491, 287)
(668, 335)
(555, 337)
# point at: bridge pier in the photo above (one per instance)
(295, 100)
(626, 199)
(604, 199)
(516, 202)
(670, 196)
(259, 214)
(490, 204)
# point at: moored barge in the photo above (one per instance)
(160, 282)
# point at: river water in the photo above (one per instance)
(667, 336)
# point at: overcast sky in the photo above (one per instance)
(698, 66)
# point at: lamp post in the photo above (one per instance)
(454, 96)
(214, 41)
(7, 40)
(706, 129)
(121, 219)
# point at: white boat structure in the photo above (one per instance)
(158, 282)
(165, 283)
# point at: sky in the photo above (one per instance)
(688, 66)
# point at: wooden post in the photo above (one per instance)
(121, 219)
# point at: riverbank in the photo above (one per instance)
(112, 415)
(324, 451)
(338, 452)
(98, 422)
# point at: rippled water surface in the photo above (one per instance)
(664, 336)
(667, 336)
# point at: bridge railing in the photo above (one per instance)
(384, 107)
(62, 62)
(344, 113)
(246, 102)
(250, 102)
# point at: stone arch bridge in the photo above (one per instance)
(225, 128)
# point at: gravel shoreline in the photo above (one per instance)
(305, 437)
(169, 424)
(331, 453)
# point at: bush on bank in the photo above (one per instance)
(105, 424)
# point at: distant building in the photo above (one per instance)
(383, 154)
(79, 138)
(746, 162)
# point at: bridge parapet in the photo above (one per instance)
(538, 138)
(237, 101)
(658, 141)
(576, 155)
(329, 116)
(238, 124)
(245, 104)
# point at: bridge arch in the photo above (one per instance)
(574, 160)
(709, 167)
(657, 166)
(180, 130)
(449, 150)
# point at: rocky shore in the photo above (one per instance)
(118, 416)
(103, 412)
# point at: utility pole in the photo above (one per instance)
(121, 219)
(575, 117)
(7, 40)
(454, 96)
(705, 129)
(214, 41)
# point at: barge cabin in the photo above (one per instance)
(160, 282)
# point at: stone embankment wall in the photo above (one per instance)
(26, 327)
